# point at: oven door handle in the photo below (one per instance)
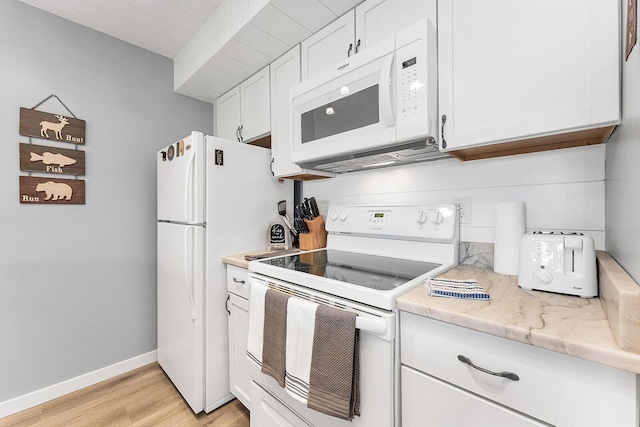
(371, 325)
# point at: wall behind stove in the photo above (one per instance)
(562, 189)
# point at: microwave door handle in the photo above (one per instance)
(386, 103)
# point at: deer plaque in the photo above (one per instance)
(51, 126)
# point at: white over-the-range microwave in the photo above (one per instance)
(375, 109)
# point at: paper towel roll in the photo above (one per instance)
(510, 227)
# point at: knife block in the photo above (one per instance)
(316, 238)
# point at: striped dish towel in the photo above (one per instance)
(450, 288)
(256, 322)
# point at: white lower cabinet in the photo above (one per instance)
(238, 314)
(427, 401)
(529, 385)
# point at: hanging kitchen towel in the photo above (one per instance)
(450, 288)
(256, 322)
(274, 335)
(334, 373)
(301, 319)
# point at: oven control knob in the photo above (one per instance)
(343, 215)
(333, 215)
(435, 217)
(421, 217)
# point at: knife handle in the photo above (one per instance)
(314, 207)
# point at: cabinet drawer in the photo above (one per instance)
(427, 401)
(552, 387)
(267, 411)
(238, 281)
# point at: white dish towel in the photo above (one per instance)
(301, 319)
(256, 322)
(450, 288)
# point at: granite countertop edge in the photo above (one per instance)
(561, 323)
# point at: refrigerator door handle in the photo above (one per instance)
(188, 193)
(187, 272)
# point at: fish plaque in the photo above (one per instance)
(56, 127)
(40, 158)
(47, 190)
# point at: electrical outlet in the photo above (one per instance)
(464, 209)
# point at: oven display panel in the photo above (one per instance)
(379, 217)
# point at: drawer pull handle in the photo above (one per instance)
(238, 281)
(509, 375)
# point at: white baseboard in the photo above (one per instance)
(38, 397)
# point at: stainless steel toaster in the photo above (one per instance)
(561, 262)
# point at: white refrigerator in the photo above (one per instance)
(215, 197)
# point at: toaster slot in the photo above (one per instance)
(574, 259)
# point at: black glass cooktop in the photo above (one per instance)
(371, 271)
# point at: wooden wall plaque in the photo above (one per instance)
(51, 126)
(40, 158)
(51, 190)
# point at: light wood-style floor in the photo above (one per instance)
(143, 397)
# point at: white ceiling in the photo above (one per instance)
(213, 49)
(163, 27)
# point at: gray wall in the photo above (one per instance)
(78, 282)
(623, 173)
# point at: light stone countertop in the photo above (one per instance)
(561, 323)
(239, 259)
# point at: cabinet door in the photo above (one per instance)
(238, 334)
(284, 73)
(254, 106)
(515, 70)
(379, 19)
(328, 46)
(228, 115)
(427, 401)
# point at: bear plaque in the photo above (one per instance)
(48, 190)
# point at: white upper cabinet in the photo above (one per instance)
(228, 114)
(519, 77)
(255, 106)
(379, 19)
(243, 113)
(284, 73)
(370, 22)
(328, 46)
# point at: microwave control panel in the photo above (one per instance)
(411, 89)
(416, 84)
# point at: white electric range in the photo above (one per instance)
(373, 255)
